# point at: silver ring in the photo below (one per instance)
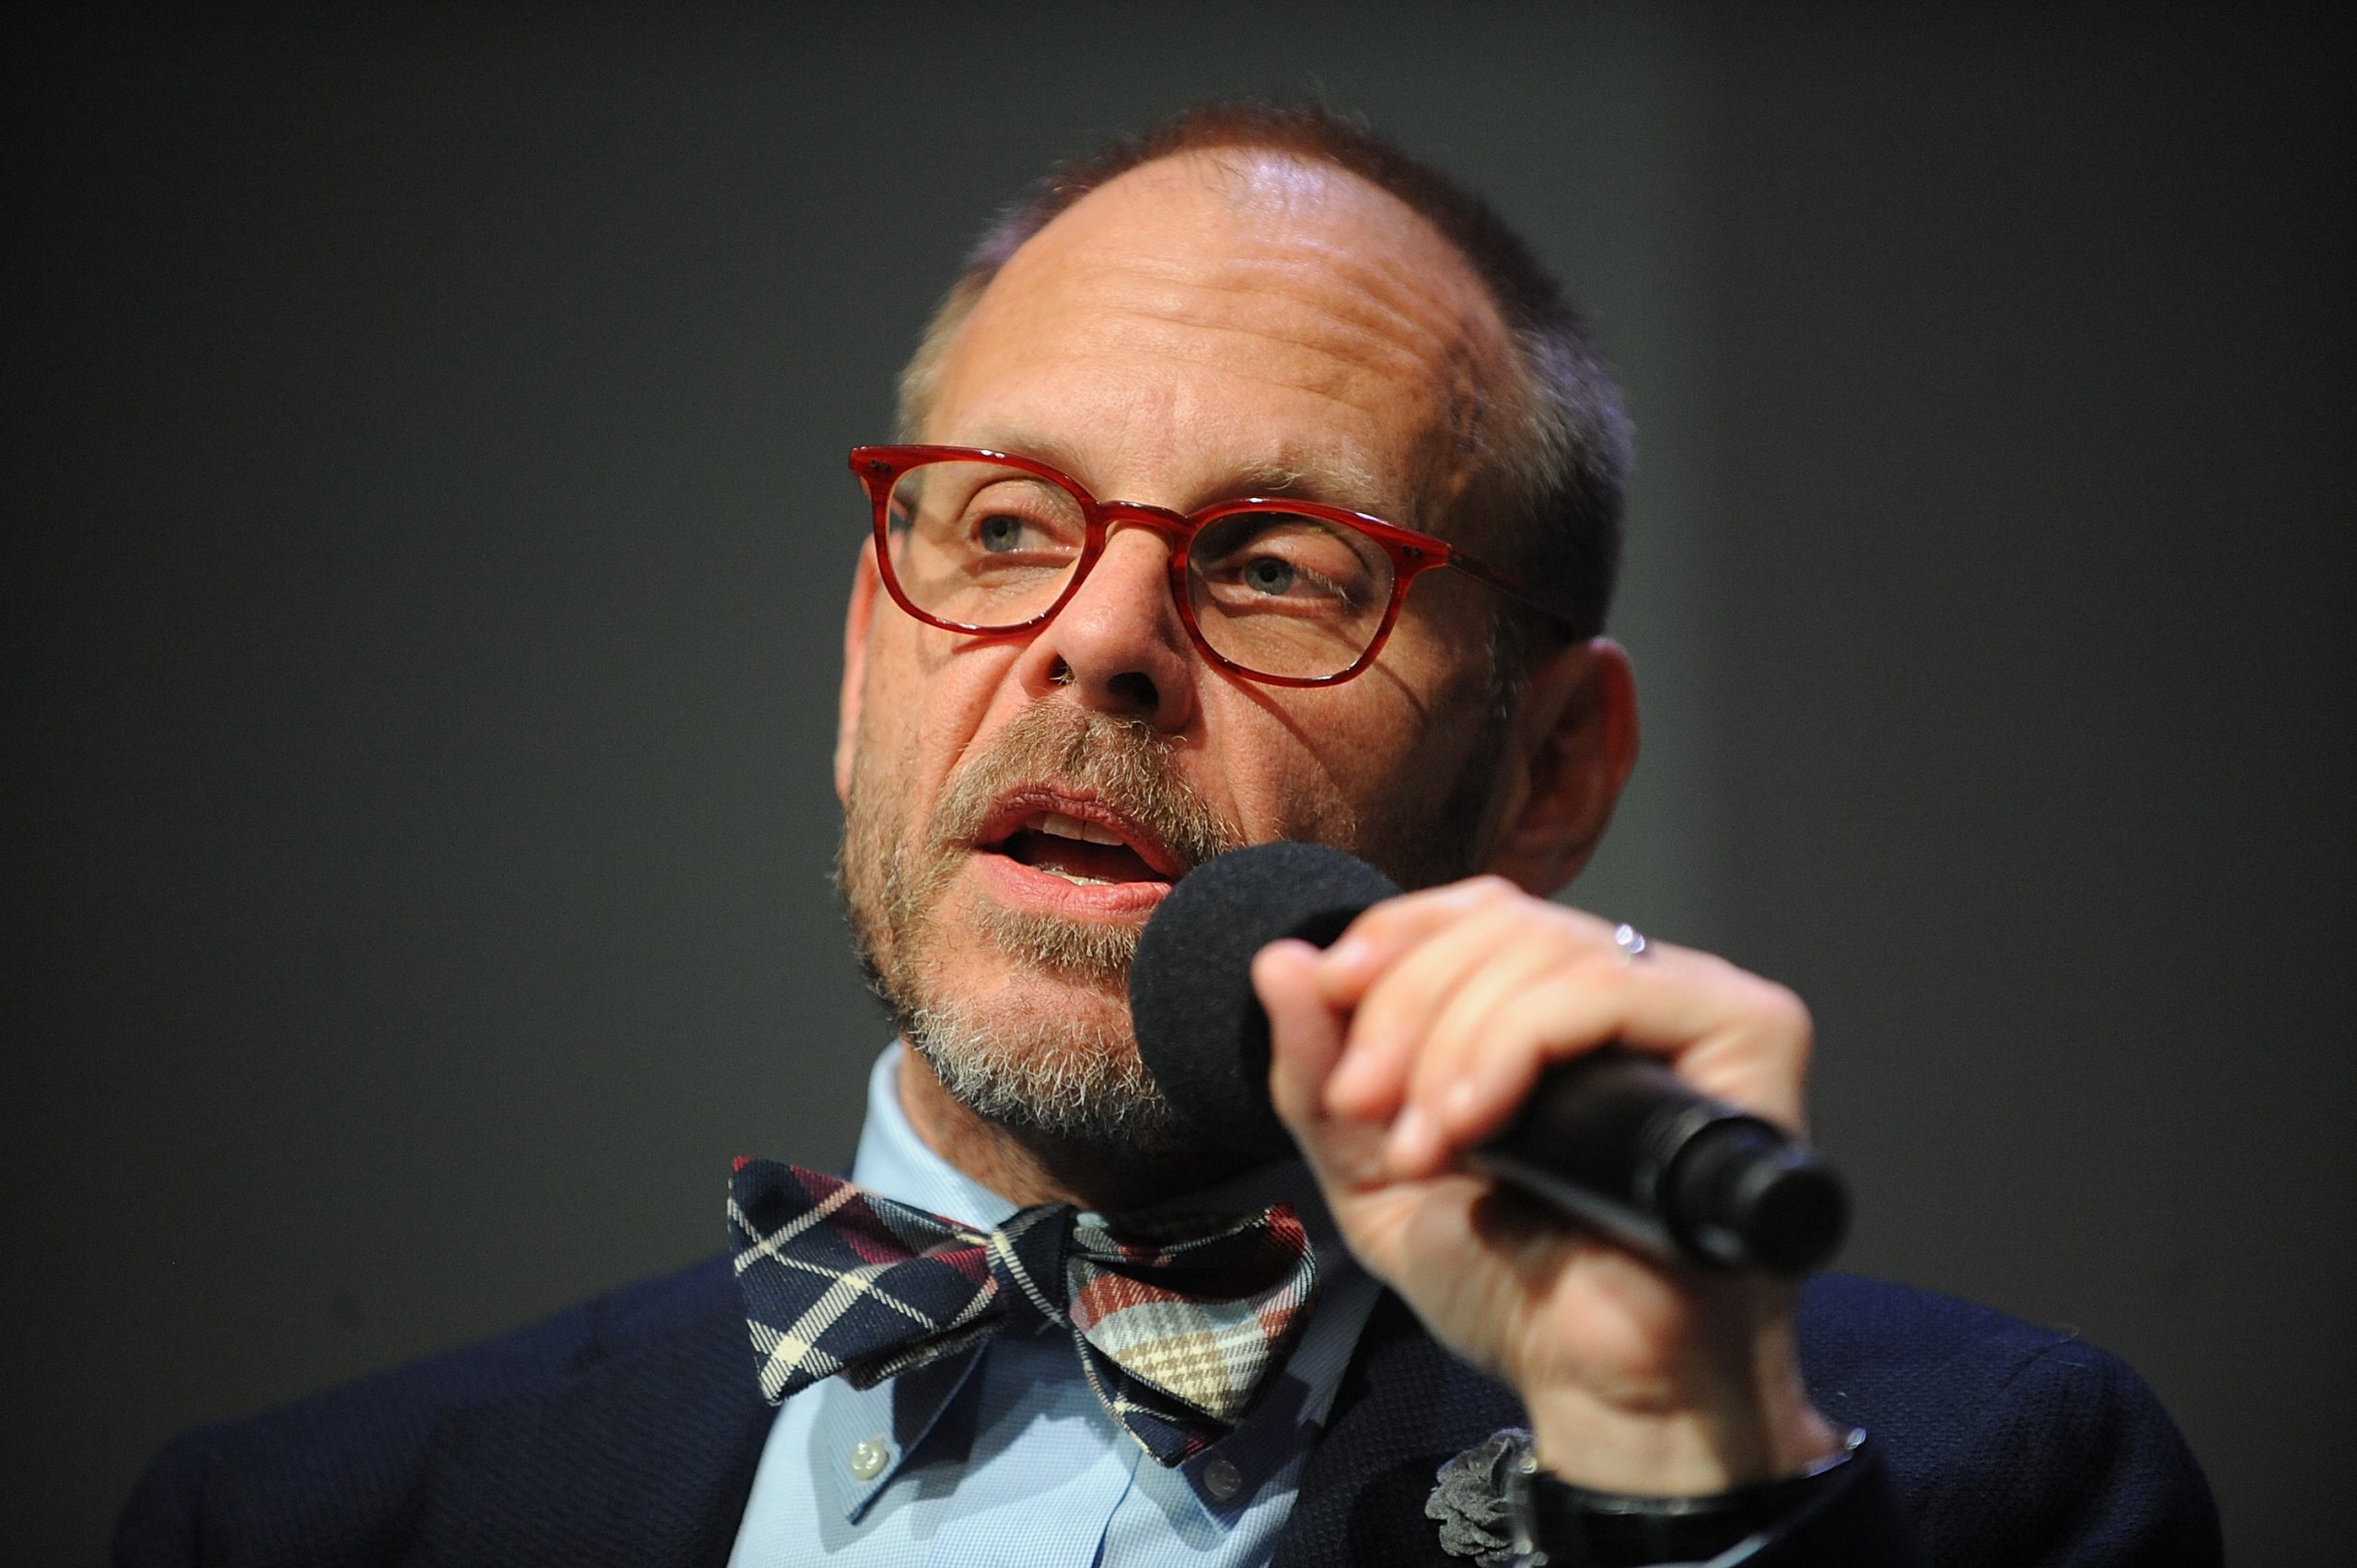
(1630, 941)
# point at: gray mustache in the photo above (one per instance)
(1123, 762)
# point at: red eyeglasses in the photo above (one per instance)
(1291, 592)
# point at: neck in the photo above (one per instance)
(1027, 1168)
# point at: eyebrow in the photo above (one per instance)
(1335, 481)
(1316, 479)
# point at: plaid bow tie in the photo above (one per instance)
(1177, 1320)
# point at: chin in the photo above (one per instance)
(1046, 1068)
(1092, 1126)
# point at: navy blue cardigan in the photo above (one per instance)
(626, 1430)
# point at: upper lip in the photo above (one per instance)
(1018, 808)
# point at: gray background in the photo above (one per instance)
(427, 525)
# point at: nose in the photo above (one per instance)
(1118, 646)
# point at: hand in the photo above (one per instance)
(1415, 1038)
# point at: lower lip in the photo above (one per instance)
(1011, 882)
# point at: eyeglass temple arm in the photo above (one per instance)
(1510, 585)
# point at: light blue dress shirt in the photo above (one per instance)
(1003, 1455)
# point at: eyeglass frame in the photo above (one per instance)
(879, 469)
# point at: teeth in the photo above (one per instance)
(1077, 881)
(1058, 825)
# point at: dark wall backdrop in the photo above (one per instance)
(427, 524)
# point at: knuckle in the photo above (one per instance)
(1783, 1010)
(1488, 891)
(1600, 970)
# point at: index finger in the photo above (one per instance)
(1374, 942)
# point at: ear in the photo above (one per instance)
(1569, 749)
(857, 618)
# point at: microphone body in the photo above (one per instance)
(1612, 1139)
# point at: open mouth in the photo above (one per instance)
(1082, 851)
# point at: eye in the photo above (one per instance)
(999, 533)
(1267, 574)
(1267, 560)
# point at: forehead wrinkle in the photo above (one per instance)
(1254, 461)
(1113, 337)
(1372, 321)
(1117, 341)
(1283, 469)
(1312, 368)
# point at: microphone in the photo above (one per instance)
(1612, 1139)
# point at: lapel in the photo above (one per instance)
(642, 1452)
(1405, 1407)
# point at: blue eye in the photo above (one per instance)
(1000, 533)
(1267, 574)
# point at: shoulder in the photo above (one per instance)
(2003, 1436)
(336, 1478)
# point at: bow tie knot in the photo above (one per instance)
(1177, 1320)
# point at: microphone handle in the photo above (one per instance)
(1618, 1142)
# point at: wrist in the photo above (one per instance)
(1749, 1423)
(1683, 1454)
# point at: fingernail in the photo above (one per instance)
(1280, 944)
(1411, 1140)
(1457, 1105)
(1348, 1072)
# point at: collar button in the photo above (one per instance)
(1222, 1480)
(867, 1458)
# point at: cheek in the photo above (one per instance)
(1312, 768)
(1368, 765)
(926, 699)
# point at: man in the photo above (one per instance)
(1075, 667)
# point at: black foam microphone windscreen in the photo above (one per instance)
(1200, 1027)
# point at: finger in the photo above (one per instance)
(1731, 1035)
(1497, 945)
(1373, 942)
(1305, 1040)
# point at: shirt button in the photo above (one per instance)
(1222, 1480)
(867, 1458)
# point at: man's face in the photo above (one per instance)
(1201, 328)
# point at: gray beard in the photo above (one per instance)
(1078, 1087)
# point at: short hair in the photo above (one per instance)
(1551, 457)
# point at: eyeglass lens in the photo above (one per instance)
(1274, 591)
